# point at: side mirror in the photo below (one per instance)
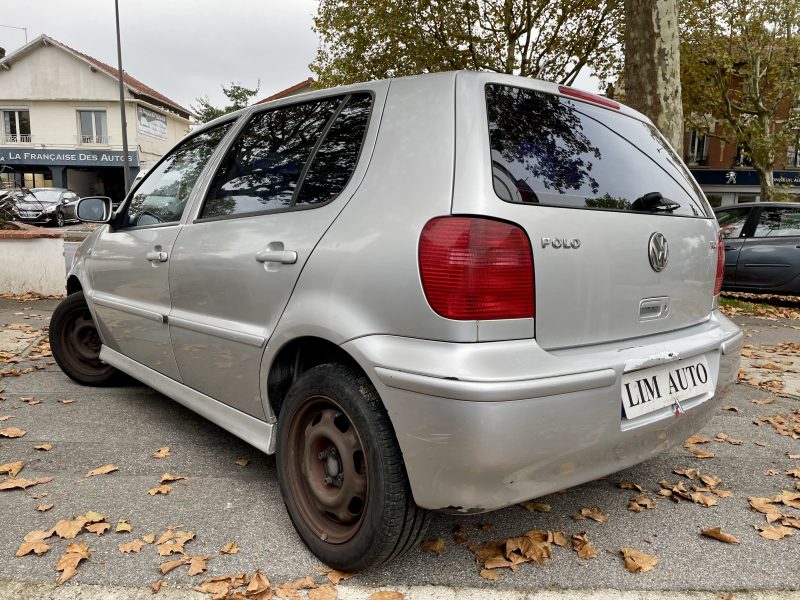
(94, 209)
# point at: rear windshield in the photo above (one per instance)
(555, 151)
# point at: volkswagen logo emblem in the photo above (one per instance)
(658, 251)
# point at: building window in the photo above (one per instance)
(697, 153)
(92, 124)
(742, 159)
(793, 156)
(16, 126)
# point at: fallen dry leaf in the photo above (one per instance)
(703, 500)
(156, 585)
(66, 401)
(640, 502)
(133, 546)
(535, 506)
(68, 563)
(533, 545)
(582, 546)
(230, 548)
(105, 469)
(324, 592)
(30, 400)
(197, 564)
(487, 527)
(44, 507)
(487, 574)
(289, 589)
(12, 432)
(259, 587)
(763, 401)
(221, 585)
(717, 534)
(166, 567)
(711, 481)
(435, 546)
(149, 538)
(730, 408)
(12, 468)
(773, 532)
(335, 576)
(167, 477)
(38, 547)
(686, 472)
(123, 526)
(6, 417)
(68, 529)
(631, 486)
(696, 439)
(163, 489)
(558, 538)
(98, 528)
(161, 452)
(595, 513)
(175, 545)
(242, 462)
(638, 562)
(23, 483)
(44, 447)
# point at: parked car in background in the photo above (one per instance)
(349, 279)
(762, 247)
(50, 206)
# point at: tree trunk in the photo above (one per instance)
(653, 65)
(765, 175)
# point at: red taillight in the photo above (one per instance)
(720, 264)
(588, 97)
(476, 269)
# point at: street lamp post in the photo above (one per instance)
(125, 159)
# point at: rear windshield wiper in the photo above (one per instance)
(654, 202)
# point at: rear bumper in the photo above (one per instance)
(483, 426)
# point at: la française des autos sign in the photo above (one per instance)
(77, 158)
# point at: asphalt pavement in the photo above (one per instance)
(223, 502)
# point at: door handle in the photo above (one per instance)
(730, 247)
(286, 257)
(156, 256)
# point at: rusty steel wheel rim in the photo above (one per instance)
(327, 470)
(82, 343)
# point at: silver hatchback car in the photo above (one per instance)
(449, 292)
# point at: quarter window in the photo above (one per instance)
(163, 194)
(92, 124)
(732, 221)
(778, 222)
(263, 167)
(16, 126)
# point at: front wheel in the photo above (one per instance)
(59, 220)
(76, 344)
(341, 471)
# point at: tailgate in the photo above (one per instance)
(624, 243)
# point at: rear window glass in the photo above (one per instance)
(778, 222)
(555, 151)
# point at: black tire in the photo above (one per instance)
(59, 219)
(75, 344)
(389, 522)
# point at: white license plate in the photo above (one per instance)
(651, 389)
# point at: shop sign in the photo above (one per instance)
(743, 177)
(76, 158)
(151, 123)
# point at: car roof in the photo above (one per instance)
(751, 204)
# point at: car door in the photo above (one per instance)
(771, 257)
(69, 201)
(129, 265)
(281, 184)
(733, 227)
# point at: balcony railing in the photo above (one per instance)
(17, 138)
(94, 139)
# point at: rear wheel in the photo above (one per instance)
(341, 471)
(76, 344)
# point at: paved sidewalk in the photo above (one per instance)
(222, 502)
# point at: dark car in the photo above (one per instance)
(762, 247)
(55, 206)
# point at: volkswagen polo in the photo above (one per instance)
(451, 292)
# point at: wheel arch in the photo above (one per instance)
(296, 357)
(73, 284)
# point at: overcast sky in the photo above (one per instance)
(184, 48)
(181, 48)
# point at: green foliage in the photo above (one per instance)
(740, 64)
(238, 97)
(373, 39)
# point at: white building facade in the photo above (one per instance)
(60, 121)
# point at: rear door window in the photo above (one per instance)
(732, 222)
(550, 150)
(777, 221)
